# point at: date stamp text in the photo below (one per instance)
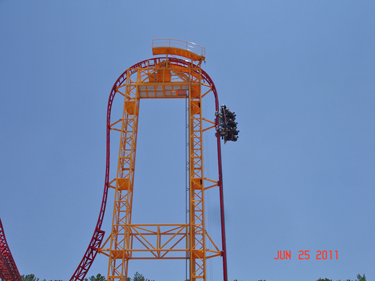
(306, 255)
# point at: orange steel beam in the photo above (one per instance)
(131, 241)
(153, 79)
(196, 189)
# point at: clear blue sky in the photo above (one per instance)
(300, 76)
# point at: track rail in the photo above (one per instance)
(98, 235)
(8, 268)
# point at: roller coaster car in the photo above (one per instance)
(227, 127)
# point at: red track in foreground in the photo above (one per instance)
(98, 235)
(8, 268)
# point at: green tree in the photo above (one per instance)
(98, 277)
(138, 277)
(325, 279)
(361, 278)
(29, 277)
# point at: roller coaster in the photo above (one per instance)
(177, 74)
(8, 268)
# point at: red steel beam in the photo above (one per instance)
(8, 268)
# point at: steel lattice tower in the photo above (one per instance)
(165, 77)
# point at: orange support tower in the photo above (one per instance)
(160, 78)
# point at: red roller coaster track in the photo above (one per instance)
(98, 235)
(8, 268)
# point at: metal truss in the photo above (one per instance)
(163, 77)
(8, 268)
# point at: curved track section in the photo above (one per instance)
(98, 235)
(8, 268)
